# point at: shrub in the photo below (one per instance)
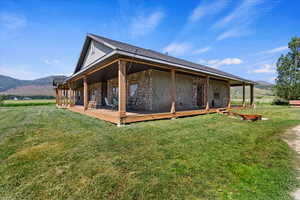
(279, 101)
(2, 97)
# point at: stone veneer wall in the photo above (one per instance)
(154, 91)
(142, 99)
(186, 91)
(220, 87)
(198, 81)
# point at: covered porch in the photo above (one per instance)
(113, 101)
(113, 115)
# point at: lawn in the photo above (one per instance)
(49, 153)
(32, 102)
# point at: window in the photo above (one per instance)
(133, 89)
(216, 95)
(115, 91)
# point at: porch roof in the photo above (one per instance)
(120, 48)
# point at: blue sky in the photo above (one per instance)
(243, 37)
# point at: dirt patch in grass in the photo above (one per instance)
(292, 137)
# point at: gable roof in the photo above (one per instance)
(121, 48)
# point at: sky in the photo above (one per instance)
(242, 37)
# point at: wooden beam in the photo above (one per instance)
(95, 69)
(173, 91)
(251, 94)
(207, 93)
(85, 93)
(122, 89)
(244, 95)
(177, 69)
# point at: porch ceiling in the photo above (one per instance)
(111, 71)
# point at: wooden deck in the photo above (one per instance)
(113, 115)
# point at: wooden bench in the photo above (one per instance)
(294, 103)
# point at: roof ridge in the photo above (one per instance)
(123, 46)
(101, 37)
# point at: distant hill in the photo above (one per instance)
(41, 86)
(261, 89)
(264, 85)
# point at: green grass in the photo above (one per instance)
(49, 153)
(33, 102)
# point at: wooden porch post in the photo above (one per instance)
(74, 97)
(229, 96)
(207, 93)
(56, 96)
(173, 91)
(244, 98)
(66, 97)
(60, 97)
(70, 96)
(122, 89)
(85, 93)
(251, 94)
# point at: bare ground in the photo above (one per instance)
(294, 141)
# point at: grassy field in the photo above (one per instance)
(33, 102)
(49, 153)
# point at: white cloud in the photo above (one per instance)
(217, 62)
(235, 32)
(12, 21)
(177, 48)
(51, 62)
(205, 9)
(238, 21)
(276, 50)
(202, 50)
(143, 25)
(266, 68)
(21, 72)
(242, 14)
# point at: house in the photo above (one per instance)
(122, 83)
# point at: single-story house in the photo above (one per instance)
(122, 83)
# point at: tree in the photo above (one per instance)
(2, 97)
(288, 69)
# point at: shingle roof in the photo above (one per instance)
(160, 56)
(59, 80)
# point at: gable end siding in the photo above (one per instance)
(94, 52)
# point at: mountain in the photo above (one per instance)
(264, 85)
(41, 86)
(261, 89)
(7, 82)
